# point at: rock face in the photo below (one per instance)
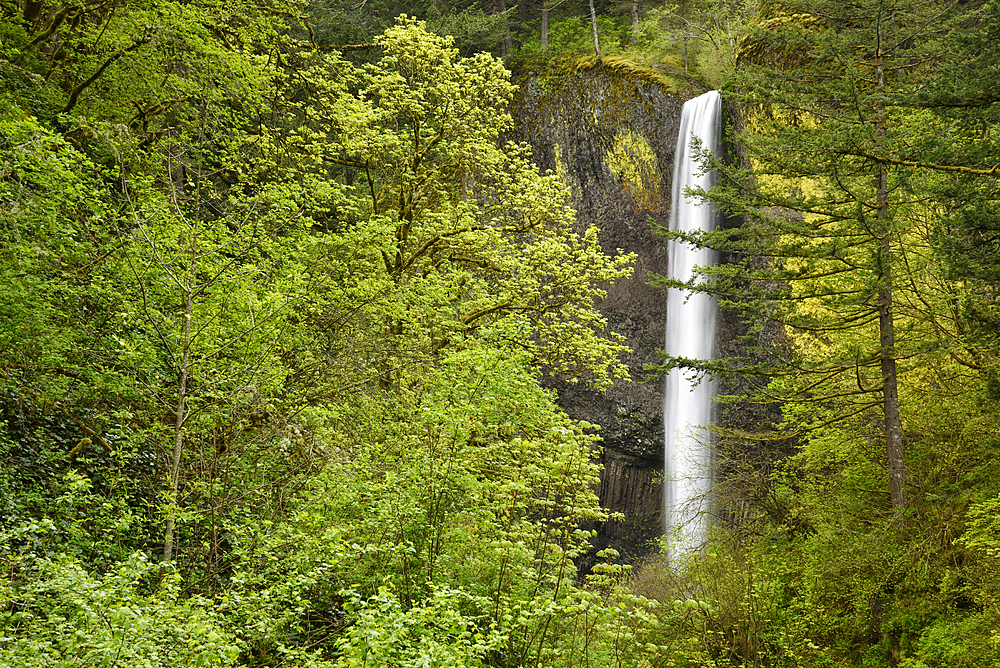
(610, 134)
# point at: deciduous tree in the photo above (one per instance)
(466, 234)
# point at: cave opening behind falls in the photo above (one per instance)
(688, 405)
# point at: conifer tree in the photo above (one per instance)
(828, 197)
(963, 155)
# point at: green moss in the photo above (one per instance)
(661, 74)
(626, 70)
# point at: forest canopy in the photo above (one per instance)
(278, 295)
(271, 333)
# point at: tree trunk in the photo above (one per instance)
(546, 8)
(886, 323)
(545, 28)
(506, 44)
(635, 22)
(180, 416)
(729, 31)
(593, 24)
(890, 397)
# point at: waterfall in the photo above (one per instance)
(687, 405)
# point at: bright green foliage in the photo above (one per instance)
(136, 63)
(50, 199)
(54, 612)
(271, 335)
(983, 531)
(468, 238)
(476, 484)
(472, 456)
(434, 633)
(58, 322)
(67, 615)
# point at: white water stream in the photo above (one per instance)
(688, 406)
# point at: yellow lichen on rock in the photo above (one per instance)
(633, 161)
(561, 170)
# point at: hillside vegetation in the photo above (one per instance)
(275, 304)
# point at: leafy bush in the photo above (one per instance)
(133, 615)
(572, 38)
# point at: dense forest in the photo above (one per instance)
(278, 295)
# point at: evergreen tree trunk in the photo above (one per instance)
(890, 394)
(729, 32)
(886, 326)
(887, 346)
(545, 23)
(506, 44)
